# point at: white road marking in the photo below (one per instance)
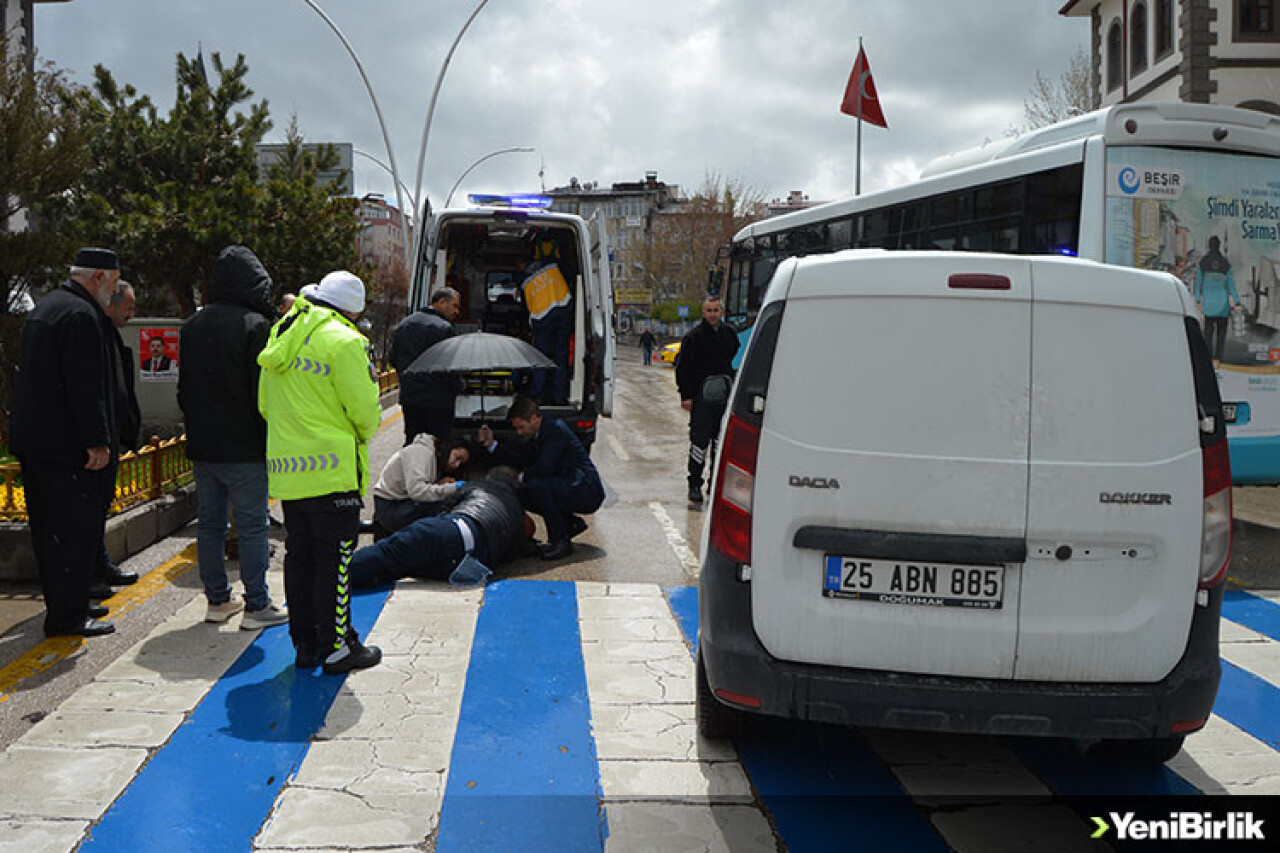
(618, 449)
(683, 552)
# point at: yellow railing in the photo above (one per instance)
(388, 381)
(159, 467)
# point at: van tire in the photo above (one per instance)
(716, 720)
(1152, 751)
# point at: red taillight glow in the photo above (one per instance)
(739, 698)
(1215, 539)
(1184, 726)
(586, 425)
(735, 484)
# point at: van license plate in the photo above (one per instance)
(903, 582)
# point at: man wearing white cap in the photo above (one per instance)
(319, 395)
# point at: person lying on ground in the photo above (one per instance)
(482, 518)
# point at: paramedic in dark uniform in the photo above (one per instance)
(63, 430)
(706, 351)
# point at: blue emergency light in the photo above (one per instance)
(526, 202)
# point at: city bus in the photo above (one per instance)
(1190, 189)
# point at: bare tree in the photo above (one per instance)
(1053, 100)
(682, 243)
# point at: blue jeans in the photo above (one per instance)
(244, 486)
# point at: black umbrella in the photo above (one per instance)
(478, 351)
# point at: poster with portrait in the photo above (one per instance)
(158, 355)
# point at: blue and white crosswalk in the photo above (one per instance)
(542, 715)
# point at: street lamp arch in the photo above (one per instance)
(485, 158)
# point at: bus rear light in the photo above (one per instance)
(735, 487)
(583, 426)
(1215, 540)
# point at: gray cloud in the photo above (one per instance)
(605, 89)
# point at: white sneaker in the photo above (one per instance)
(264, 617)
(224, 611)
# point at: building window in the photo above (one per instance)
(1115, 49)
(1164, 28)
(1256, 21)
(1138, 39)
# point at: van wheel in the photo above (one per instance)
(1142, 752)
(716, 721)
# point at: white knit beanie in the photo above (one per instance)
(343, 291)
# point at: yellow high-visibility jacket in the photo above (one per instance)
(319, 396)
(544, 291)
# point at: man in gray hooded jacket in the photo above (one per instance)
(226, 436)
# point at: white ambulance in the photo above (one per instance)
(970, 493)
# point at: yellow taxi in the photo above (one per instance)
(667, 355)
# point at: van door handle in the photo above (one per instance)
(901, 545)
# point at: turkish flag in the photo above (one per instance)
(862, 87)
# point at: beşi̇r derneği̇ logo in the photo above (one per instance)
(1182, 826)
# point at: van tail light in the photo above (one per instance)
(1215, 541)
(735, 485)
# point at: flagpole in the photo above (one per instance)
(857, 170)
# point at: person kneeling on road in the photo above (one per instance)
(482, 519)
(416, 479)
(559, 479)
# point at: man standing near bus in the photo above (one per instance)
(704, 373)
(426, 401)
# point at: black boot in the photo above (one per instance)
(353, 655)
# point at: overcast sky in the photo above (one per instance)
(604, 89)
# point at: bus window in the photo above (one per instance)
(840, 234)
(764, 260)
(1053, 210)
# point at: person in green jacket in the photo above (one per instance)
(319, 396)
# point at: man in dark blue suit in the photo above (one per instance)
(559, 480)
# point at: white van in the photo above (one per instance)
(482, 252)
(970, 493)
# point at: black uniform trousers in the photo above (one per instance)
(102, 560)
(66, 510)
(320, 538)
(704, 426)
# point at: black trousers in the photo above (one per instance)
(320, 538)
(66, 510)
(704, 426)
(103, 559)
(557, 499)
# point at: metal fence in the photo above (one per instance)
(159, 467)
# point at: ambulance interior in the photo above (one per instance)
(486, 261)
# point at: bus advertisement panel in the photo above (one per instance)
(1213, 220)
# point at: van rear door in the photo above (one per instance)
(1114, 514)
(600, 308)
(895, 434)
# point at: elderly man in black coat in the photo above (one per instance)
(63, 430)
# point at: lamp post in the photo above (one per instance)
(405, 228)
(426, 132)
(470, 168)
(386, 139)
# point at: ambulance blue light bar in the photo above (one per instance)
(526, 202)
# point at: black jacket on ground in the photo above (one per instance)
(496, 511)
(218, 363)
(416, 334)
(64, 400)
(705, 351)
